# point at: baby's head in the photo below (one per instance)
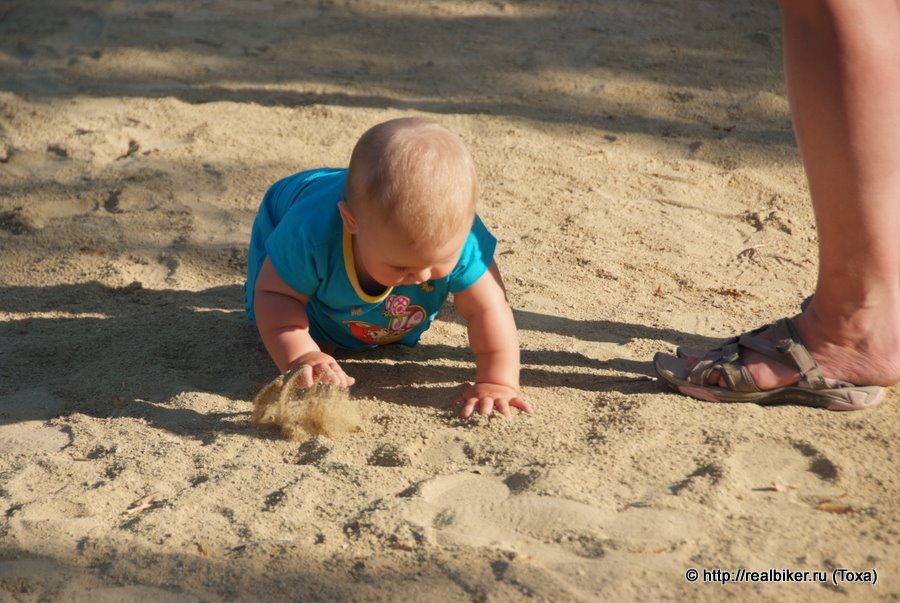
(414, 177)
(409, 200)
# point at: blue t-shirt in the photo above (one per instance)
(299, 228)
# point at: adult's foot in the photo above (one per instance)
(862, 347)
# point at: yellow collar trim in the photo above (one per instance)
(350, 267)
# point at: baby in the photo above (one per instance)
(365, 256)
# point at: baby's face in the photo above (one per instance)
(387, 260)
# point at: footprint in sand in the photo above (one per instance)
(472, 510)
(69, 583)
(799, 466)
(24, 431)
(800, 473)
(441, 449)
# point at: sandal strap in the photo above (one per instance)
(807, 367)
(727, 363)
(786, 348)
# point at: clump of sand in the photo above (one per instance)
(302, 413)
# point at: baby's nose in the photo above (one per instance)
(420, 276)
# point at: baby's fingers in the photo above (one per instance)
(521, 405)
(502, 407)
(334, 374)
(468, 406)
(305, 376)
(485, 406)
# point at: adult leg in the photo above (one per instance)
(842, 68)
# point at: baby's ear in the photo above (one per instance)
(347, 217)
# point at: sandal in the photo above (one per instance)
(813, 388)
(686, 353)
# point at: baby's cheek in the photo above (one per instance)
(439, 273)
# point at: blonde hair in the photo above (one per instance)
(414, 176)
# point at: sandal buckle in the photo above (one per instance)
(785, 346)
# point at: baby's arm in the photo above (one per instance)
(284, 328)
(495, 343)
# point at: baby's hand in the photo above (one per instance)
(319, 367)
(488, 397)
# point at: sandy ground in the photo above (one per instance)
(639, 170)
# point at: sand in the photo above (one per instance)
(639, 170)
